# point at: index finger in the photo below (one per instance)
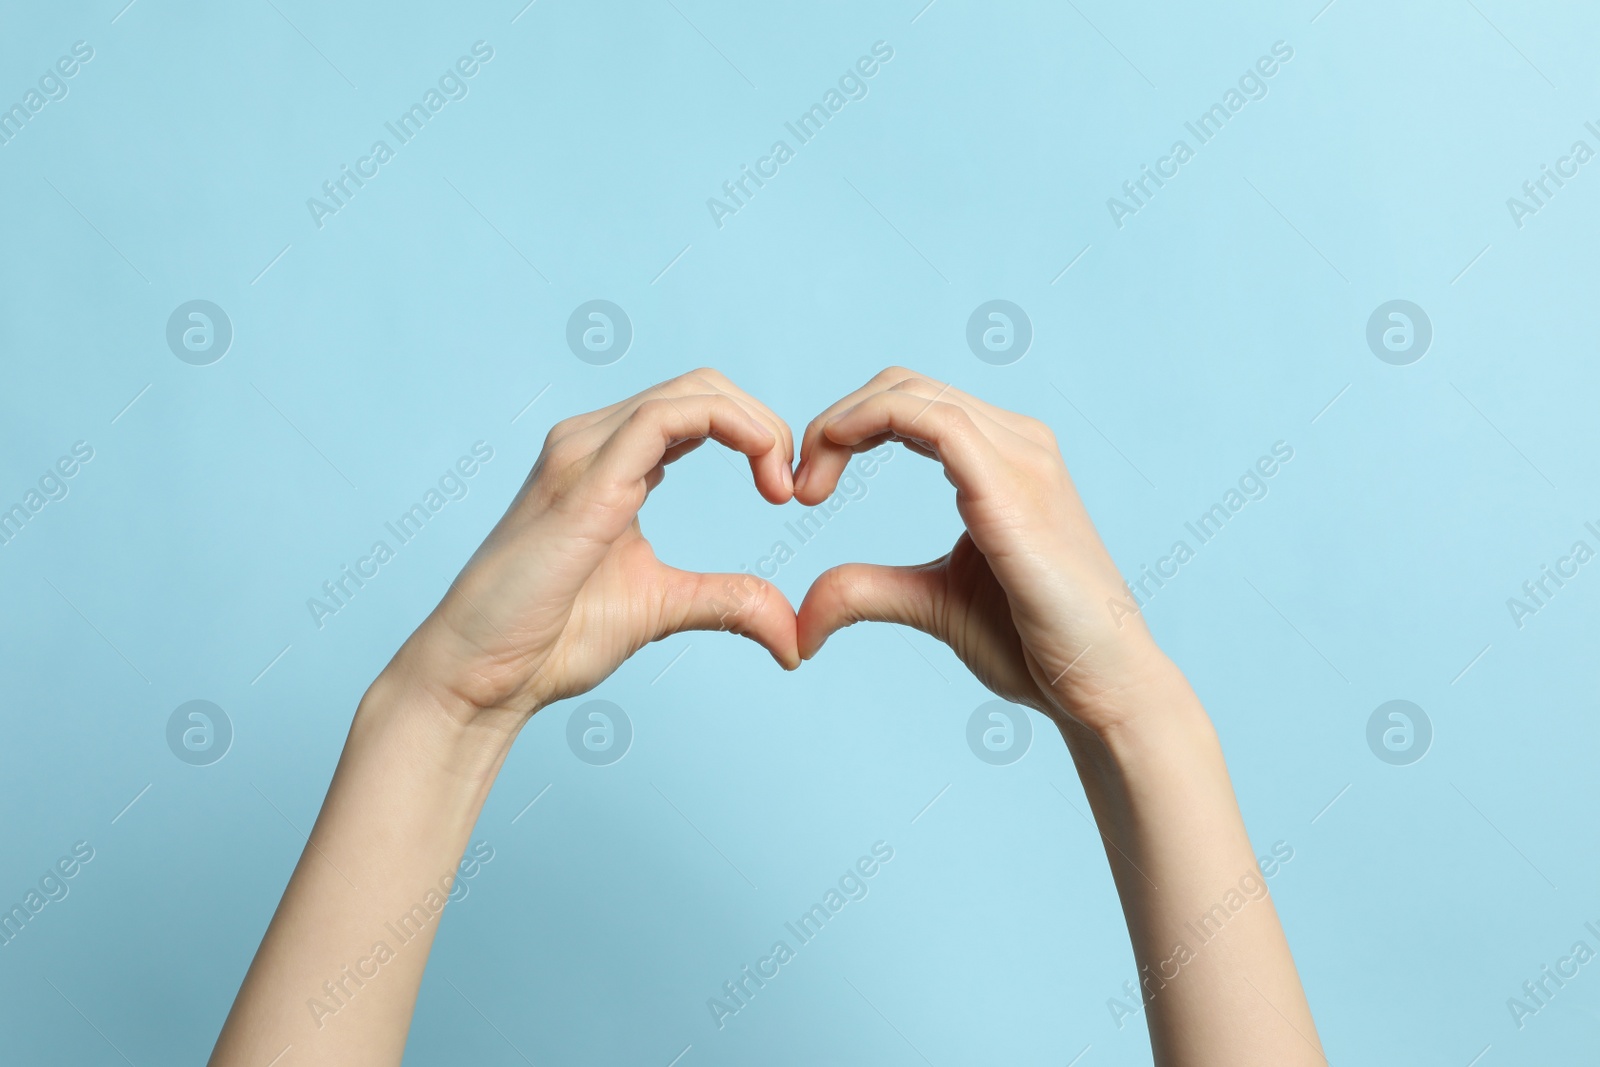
(945, 430)
(656, 426)
(770, 469)
(904, 379)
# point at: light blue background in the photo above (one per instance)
(1225, 316)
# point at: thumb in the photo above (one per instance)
(737, 603)
(865, 592)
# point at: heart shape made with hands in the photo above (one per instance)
(924, 416)
(566, 587)
(994, 598)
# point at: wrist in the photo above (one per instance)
(431, 731)
(1157, 768)
(1117, 681)
(1149, 716)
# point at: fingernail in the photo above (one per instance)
(801, 475)
(788, 479)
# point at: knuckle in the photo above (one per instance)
(955, 417)
(650, 410)
(561, 429)
(1042, 431)
(706, 380)
(849, 583)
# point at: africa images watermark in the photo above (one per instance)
(1252, 85)
(1251, 888)
(52, 87)
(1537, 192)
(340, 990)
(52, 887)
(852, 886)
(852, 85)
(53, 485)
(1538, 592)
(1537, 992)
(1252, 486)
(453, 485)
(452, 85)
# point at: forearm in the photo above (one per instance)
(1215, 971)
(337, 973)
(561, 592)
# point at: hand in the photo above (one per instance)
(1023, 597)
(565, 587)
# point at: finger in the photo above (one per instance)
(823, 486)
(904, 379)
(813, 431)
(1016, 422)
(722, 383)
(591, 439)
(700, 380)
(863, 592)
(686, 384)
(659, 473)
(771, 470)
(951, 433)
(653, 428)
(996, 422)
(738, 603)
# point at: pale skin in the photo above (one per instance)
(566, 588)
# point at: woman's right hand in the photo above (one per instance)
(565, 587)
(1028, 598)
